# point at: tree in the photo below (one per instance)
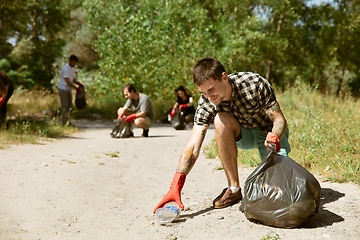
(152, 45)
(37, 24)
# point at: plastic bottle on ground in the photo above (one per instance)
(167, 213)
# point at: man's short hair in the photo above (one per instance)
(129, 87)
(73, 58)
(207, 68)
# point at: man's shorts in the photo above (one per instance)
(149, 122)
(255, 138)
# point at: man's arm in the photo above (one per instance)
(187, 161)
(140, 114)
(191, 101)
(278, 119)
(121, 111)
(192, 149)
(67, 80)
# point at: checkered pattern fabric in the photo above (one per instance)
(251, 96)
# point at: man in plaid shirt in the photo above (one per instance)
(246, 115)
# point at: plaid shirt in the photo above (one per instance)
(251, 96)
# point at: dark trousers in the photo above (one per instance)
(3, 108)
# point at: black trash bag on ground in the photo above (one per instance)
(165, 117)
(280, 192)
(178, 120)
(80, 100)
(122, 129)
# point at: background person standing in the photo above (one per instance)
(67, 81)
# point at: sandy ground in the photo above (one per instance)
(90, 186)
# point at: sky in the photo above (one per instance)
(318, 2)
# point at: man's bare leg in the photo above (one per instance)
(140, 123)
(227, 129)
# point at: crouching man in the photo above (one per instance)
(142, 115)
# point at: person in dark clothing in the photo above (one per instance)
(184, 102)
(6, 90)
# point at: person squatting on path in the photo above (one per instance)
(142, 115)
(67, 81)
(6, 90)
(184, 102)
(246, 115)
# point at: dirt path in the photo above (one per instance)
(90, 186)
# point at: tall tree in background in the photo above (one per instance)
(154, 44)
(347, 22)
(37, 43)
(151, 44)
(12, 14)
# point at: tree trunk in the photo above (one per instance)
(257, 69)
(341, 81)
(33, 30)
(268, 70)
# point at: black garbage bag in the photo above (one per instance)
(280, 192)
(165, 117)
(122, 129)
(80, 100)
(178, 120)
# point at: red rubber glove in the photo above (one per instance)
(273, 138)
(172, 113)
(2, 100)
(78, 90)
(183, 106)
(79, 84)
(130, 117)
(174, 192)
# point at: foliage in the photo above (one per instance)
(152, 45)
(5, 65)
(324, 135)
(34, 29)
(29, 130)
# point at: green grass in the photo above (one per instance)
(324, 131)
(268, 237)
(31, 131)
(34, 115)
(324, 134)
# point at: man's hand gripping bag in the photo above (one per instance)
(122, 129)
(80, 98)
(178, 120)
(280, 192)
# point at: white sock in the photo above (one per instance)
(234, 189)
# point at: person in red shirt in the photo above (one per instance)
(6, 90)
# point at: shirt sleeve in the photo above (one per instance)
(205, 112)
(128, 103)
(66, 72)
(145, 104)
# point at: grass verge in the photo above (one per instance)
(324, 134)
